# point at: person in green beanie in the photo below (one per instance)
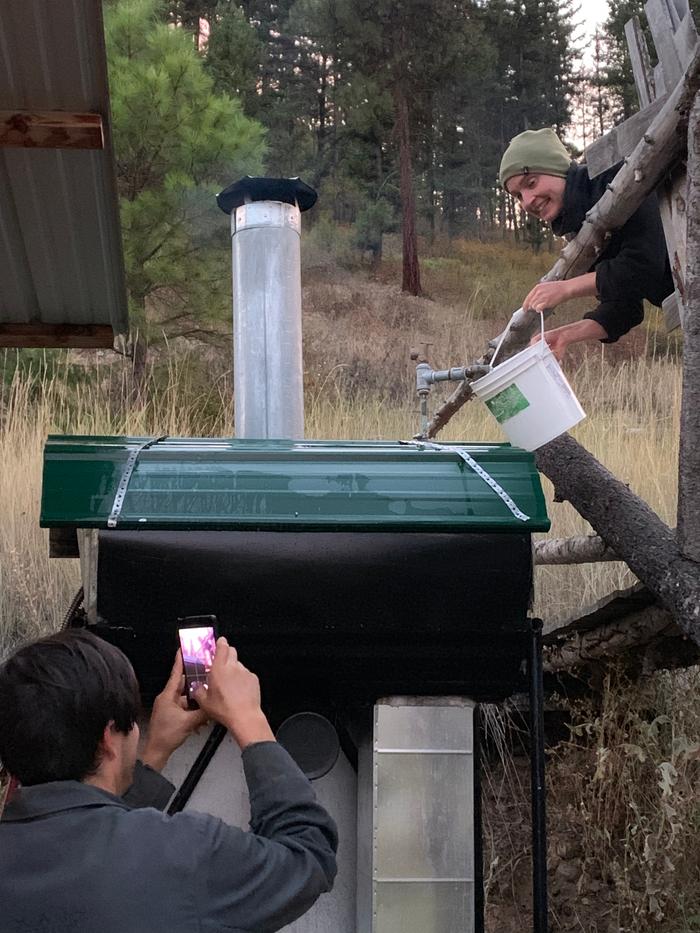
(537, 170)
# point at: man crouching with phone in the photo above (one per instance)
(83, 847)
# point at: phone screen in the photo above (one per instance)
(198, 646)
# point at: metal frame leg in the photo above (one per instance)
(478, 828)
(537, 781)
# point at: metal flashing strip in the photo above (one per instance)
(479, 470)
(126, 476)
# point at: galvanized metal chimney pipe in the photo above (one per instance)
(266, 251)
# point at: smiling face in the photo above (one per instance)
(541, 195)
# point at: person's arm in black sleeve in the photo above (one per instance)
(262, 880)
(638, 270)
(616, 318)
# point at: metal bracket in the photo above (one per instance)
(126, 477)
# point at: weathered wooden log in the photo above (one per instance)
(662, 144)
(609, 643)
(581, 549)
(628, 525)
(628, 629)
(689, 456)
(638, 644)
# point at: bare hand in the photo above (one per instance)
(547, 295)
(233, 697)
(556, 342)
(171, 721)
(559, 339)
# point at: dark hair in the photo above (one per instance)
(57, 695)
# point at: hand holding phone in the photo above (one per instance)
(197, 636)
(170, 723)
(233, 698)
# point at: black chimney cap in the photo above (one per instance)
(286, 190)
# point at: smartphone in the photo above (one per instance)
(197, 636)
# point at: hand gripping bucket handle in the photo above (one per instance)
(507, 331)
(528, 394)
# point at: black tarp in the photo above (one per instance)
(328, 616)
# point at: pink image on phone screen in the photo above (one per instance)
(198, 647)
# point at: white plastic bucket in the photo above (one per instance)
(530, 396)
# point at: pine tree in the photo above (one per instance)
(410, 50)
(176, 143)
(234, 55)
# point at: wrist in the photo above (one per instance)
(156, 758)
(588, 329)
(247, 730)
(582, 286)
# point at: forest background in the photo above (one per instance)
(397, 113)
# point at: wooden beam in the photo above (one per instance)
(581, 549)
(672, 308)
(620, 141)
(672, 195)
(689, 457)
(42, 335)
(63, 542)
(662, 26)
(51, 130)
(639, 58)
(685, 39)
(676, 10)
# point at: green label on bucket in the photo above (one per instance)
(507, 403)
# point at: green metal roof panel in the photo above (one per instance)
(222, 483)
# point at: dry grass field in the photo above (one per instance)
(624, 810)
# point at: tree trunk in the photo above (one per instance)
(628, 526)
(139, 369)
(136, 389)
(689, 459)
(411, 272)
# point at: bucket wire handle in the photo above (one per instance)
(543, 342)
(505, 334)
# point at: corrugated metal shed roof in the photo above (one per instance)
(62, 275)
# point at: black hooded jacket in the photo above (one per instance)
(634, 264)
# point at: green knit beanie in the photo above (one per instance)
(535, 151)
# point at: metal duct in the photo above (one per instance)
(265, 244)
